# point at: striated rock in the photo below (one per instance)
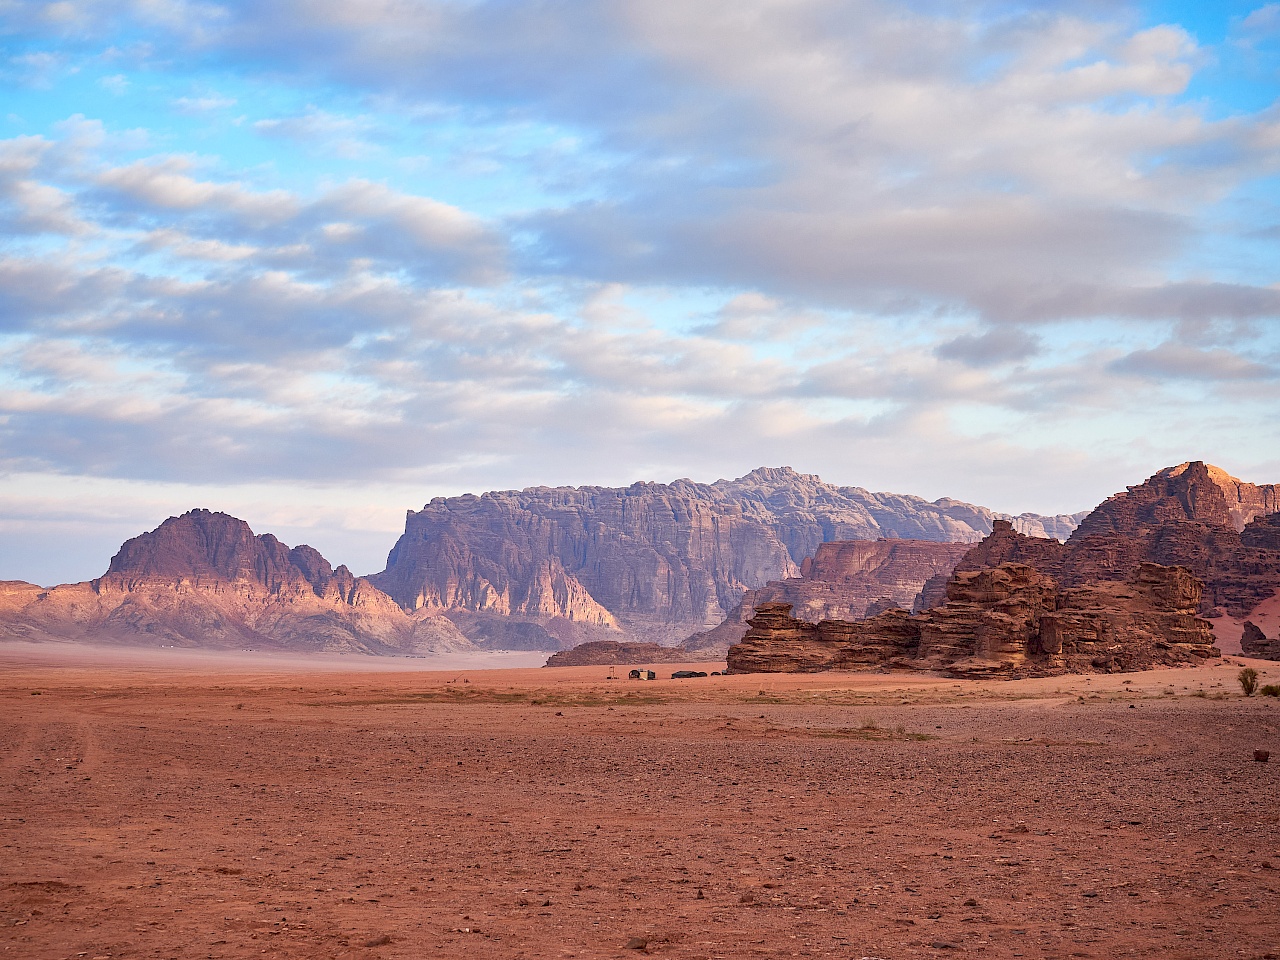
(991, 616)
(650, 561)
(1008, 621)
(613, 653)
(1194, 515)
(1004, 544)
(205, 580)
(844, 580)
(1254, 643)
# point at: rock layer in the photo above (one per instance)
(650, 561)
(204, 579)
(844, 580)
(1008, 621)
(1194, 515)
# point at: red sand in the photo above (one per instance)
(197, 806)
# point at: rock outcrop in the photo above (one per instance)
(1194, 515)
(1008, 621)
(205, 580)
(653, 562)
(613, 653)
(844, 580)
(1255, 643)
(1122, 593)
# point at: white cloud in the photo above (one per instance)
(948, 249)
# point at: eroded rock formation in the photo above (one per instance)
(1194, 515)
(844, 580)
(1007, 621)
(204, 579)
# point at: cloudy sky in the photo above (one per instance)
(314, 262)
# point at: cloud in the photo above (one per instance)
(348, 137)
(467, 245)
(1175, 361)
(203, 104)
(991, 348)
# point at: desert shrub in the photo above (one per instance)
(1248, 678)
(1270, 690)
(869, 725)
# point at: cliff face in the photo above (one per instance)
(1193, 491)
(844, 580)
(1007, 621)
(1194, 516)
(651, 561)
(204, 579)
(1122, 593)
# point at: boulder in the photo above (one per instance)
(1254, 643)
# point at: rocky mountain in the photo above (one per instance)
(552, 567)
(1006, 621)
(1197, 516)
(1122, 593)
(204, 579)
(844, 580)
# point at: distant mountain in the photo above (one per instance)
(553, 567)
(548, 568)
(205, 580)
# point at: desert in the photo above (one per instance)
(180, 803)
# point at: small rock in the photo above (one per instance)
(381, 941)
(1262, 756)
(637, 943)
(971, 902)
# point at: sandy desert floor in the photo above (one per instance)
(210, 808)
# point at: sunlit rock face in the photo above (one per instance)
(1224, 531)
(1007, 621)
(205, 580)
(653, 562)
(1125, 592)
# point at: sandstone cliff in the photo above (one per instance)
(844, 580)
(204, 579)
(1194, 515)
(651, 561)
(1007, 621)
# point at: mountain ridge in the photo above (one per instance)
(649, 561)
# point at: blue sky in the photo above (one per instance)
(315, 262)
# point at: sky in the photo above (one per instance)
(314, 262)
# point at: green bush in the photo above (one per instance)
(1248, 678)
(1271, 690)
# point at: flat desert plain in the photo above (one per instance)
(206, 807)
